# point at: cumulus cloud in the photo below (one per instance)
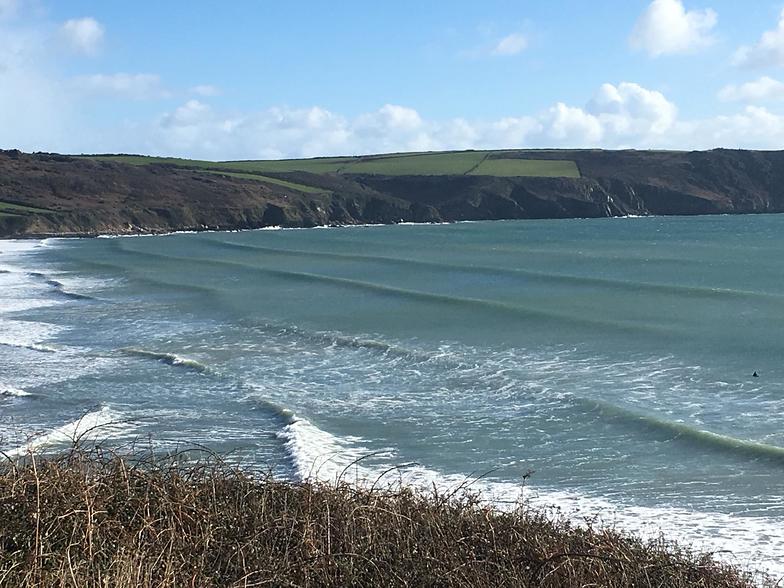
(765, 89)
(133, 86)
(626, 114)
(755, 127)
(667, 28)
(769, 50)
(511, 45)
(569, 125)
(628, 109)
(83, 35)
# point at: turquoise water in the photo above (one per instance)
(613, 357)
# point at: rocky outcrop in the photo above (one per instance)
(44, 194)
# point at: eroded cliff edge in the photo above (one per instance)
(47, 194)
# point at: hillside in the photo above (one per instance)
(42, 194)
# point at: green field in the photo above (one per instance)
(9, 209)
(424, 164)
(317, 166)
(551, 168)
(485, 163)
(268, 180)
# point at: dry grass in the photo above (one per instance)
(91, 518)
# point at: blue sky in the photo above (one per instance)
(247, 79)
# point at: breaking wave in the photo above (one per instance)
(319, 455)
(171, 359)
(6, 390)
(30, 346)
(92, 427)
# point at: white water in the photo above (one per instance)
(97, 426)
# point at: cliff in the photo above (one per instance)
(46, 194)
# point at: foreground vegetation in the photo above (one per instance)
(95, 519)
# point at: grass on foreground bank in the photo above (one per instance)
(94, 519)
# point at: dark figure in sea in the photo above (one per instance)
(755, 375)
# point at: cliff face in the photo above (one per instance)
(54, 194)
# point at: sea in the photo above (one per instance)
(600, 368)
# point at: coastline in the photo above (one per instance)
(71, 196)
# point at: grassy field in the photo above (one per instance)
(551, 168)
(457, 163)
(488, 163)
(317, 166)
(10, 209)
(94, 519)
(269, 180)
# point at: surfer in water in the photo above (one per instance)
(755, 375)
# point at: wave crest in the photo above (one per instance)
(169, 359)
(92, 427)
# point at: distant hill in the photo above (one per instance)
(42, 194)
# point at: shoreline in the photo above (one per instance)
(195, 231)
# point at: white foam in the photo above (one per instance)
(16, 246)
(317, 454)
(27, 334)
(755, 543)
(92, 427)
(20, 291)
(6, 390)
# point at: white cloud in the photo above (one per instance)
(134, 86)
(570, 126)
(631, 110)
(666, 28)
(754, 127)
(206, 90)
(83, 35)
(769, 50)
(765, 89)
(618, 115)
(511, 45)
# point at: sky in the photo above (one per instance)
(256, 79)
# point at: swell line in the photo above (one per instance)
(684, 432)
(568, 279)
(419, 295)
(59, 287)
(171, 359)
(139, 277)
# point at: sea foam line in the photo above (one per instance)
(752, 542)
(94, 426)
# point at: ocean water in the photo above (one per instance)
(611, 357)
